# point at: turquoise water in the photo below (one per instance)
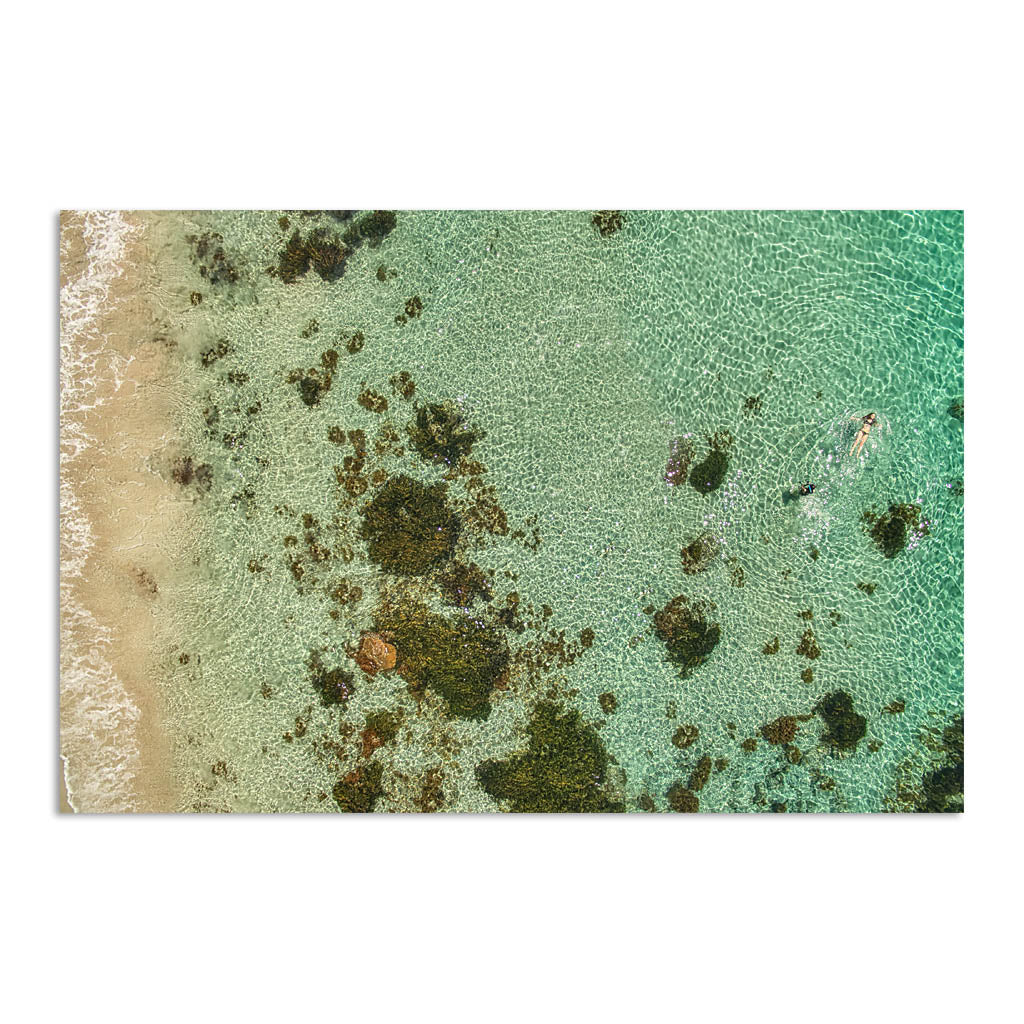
(581, 358)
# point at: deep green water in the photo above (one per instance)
(581, 358)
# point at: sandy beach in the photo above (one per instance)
(117, 401)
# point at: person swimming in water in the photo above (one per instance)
(802, 490)
(866, 423)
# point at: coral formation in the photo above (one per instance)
(371, 229)
(700, 775)
(381, 728)
(334, 686)
(608, 702)
(325, 253)
(808, 645)
(461, 584)
(403, 384)
(214, 264)
(372, 400)
(187, 473)
(942, 789)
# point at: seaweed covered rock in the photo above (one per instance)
(699, 554)
(324, 252)
(461, 584)
(782, 730)
(372, 228)
(441, 434)
(845, 728)
(334, 686)
(320, 250)
(700, 774)
(688, 637)
(808, 645)
(409, 527)
(186, 473)
(682, 800)
(214, 263)
(685, 736)
(942, 788)
(892, 530)
(380, 729)
(607, 222)
(680, 455)
(313, 384)
(460, 658)
(608, 702)
(563, 768)
(709, 475)
(359, 790)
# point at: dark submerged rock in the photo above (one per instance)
(845, 728)
(709, 475)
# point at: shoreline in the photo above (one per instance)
(117, 411)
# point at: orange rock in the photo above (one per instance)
(375, 654)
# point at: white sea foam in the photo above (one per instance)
(98, 718)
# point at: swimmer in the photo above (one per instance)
(866, 423)
(802, 490)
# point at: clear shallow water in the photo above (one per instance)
(582, 357)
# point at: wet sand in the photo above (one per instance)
(118, 509)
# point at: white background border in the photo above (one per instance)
(536, 105)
